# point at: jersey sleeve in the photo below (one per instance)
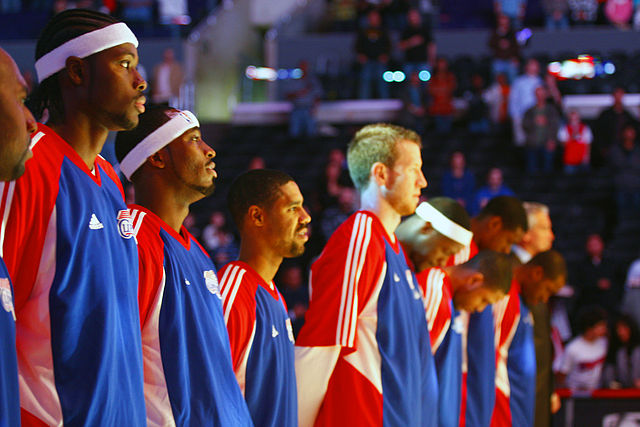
(239, 307)
(27, 212)
(436, 304)
(150, 263)
(341, 282)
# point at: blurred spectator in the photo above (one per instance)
(210, 233)
(441, 88)
(513, 9)
(596, 279)
(334, 177)
(458, 182)
(619, 12)
(417, 44)
(556, 14)
(343, 14)
(219, 241)
(477, 109)
(505, 50)
(304, 94)
(190, 224)
(522, 97)
(494, 188)
(373, 47)
(631, 300)
(584, 356)
(497, 97)
(414, 103)
(576, 138)
(540, 124)
(555, 97)
(336, 214)
(609, 127)
(583, 12)
(636, 15)
(622, 366)
(291, 282)
(624, 160)
(167, 80)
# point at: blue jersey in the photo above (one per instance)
(363, 356)
(446, 325)
(187, 363)
(481, 369)
(70, 251)
(9, 394)
(261, 345)
(516, 362)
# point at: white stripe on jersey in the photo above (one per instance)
(356, 256)
(7, 191)
(137, 217)
(435, 281)
(230, 289)
(35, 138)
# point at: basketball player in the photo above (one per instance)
(68, 242)
(187, 364)
(266, 206)
(16, 126)
(363, 354)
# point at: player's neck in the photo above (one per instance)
(372, 201)
(163, 205)
(262, 260)
(83, 135)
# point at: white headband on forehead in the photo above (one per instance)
(179, 124)
(444, 225)
(83, 46)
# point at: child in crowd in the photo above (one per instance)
(584, 357)
(622, 366)
(576, 138)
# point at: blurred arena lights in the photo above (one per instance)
(271, 74)
(582, 67)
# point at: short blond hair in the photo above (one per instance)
(375, 143)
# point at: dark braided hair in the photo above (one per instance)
(60, 29)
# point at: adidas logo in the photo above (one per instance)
(94, 223)
(396, 278)
(274, 331)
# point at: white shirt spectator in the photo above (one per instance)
(582, 363)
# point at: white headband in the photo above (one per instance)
(83, 46)
(444, 225)
(179, 124)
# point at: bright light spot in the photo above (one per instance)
(250, 72)
(282, 74)
(398, 76)
(387, 76)
(296, 73)
(555, 67)
(424, 75)
(609, 68)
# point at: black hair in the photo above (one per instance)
(590, 316)
(510, 211)
(614, 341)
(496, 268)
(153, 117)
(452, 210)
(552, 263)
(259, 187)
(60, 29)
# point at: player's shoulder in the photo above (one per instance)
(44, 168)
(146, 228)
(237, 274)
(362, 226)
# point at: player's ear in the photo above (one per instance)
(256, 215)
(378, 174)
(75, 70)
(474, 280)
(157, 159)
(495, 223)
(426, 227)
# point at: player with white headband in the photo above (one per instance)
(189, 379)
(67, 236)
(439, 229)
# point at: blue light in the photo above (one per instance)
(609, 68)
(387, 76)
(296, 73)
(283, 74)
(398, 76)
(424, 75)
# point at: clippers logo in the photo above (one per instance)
(5, 295)
(125, 225)
(211, 280)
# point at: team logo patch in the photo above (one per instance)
(125, 225)
(211, 280)
(5, 295)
